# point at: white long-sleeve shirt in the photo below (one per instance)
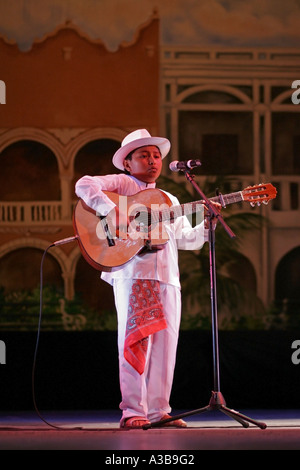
(161, 264)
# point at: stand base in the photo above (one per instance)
(216, 402)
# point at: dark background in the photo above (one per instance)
(79, 370)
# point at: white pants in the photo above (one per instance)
(148, 395)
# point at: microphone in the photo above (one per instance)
(183, 166)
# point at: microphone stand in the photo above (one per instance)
(217, 401)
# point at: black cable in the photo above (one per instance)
(37, 340)
(67, 240)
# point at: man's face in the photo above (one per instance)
(145, 164)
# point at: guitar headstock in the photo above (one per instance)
(260, 193)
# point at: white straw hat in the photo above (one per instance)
(136, 139)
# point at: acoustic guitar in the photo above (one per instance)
(138, 222)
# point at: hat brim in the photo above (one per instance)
(160, 142)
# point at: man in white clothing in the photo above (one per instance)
(147, 287)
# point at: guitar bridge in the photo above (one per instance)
(109, 237)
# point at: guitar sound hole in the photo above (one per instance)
(142, 220)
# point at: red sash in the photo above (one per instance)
(145, 317)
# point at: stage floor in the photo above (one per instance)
(99, 430)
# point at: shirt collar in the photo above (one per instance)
(142, 184)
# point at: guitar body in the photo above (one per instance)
(105, 247)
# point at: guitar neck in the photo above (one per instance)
(197, 206)
(231, 198)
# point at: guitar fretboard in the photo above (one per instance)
(188, 208)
